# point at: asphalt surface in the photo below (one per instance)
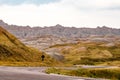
(33, 73)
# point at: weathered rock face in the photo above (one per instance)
(59, 31)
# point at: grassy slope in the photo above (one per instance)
(13, 52)
(90, 53)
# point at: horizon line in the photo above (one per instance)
(104, 26)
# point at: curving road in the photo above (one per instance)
(33, 73)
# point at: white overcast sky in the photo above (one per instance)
(78, 13)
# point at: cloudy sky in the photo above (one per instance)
(78, 13)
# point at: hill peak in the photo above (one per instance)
(58, 25)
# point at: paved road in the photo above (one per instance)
(32, 73)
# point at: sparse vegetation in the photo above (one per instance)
(113, 74)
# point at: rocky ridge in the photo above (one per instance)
(60, 31)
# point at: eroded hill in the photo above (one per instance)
(89, 53)
(59, 31)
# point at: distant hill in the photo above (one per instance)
(59, 31)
